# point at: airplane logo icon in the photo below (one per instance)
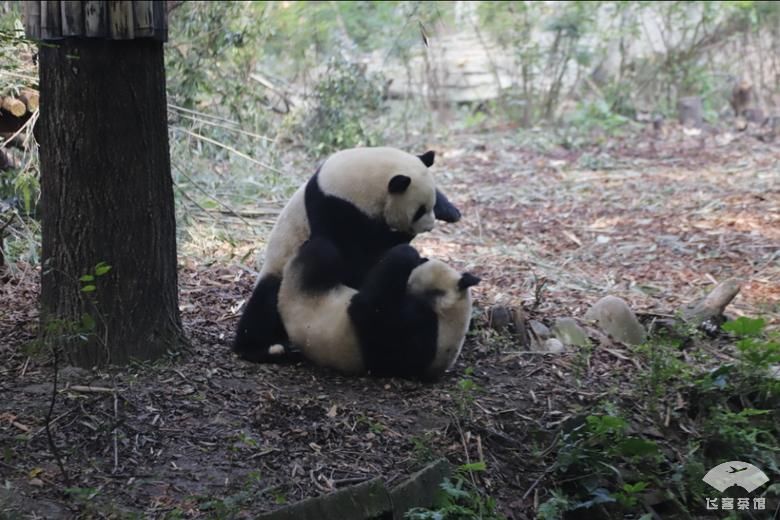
(735, 473)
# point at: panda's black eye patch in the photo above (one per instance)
(421, 211)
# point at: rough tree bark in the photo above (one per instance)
(107, 196)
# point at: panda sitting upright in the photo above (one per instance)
(365, 200)
(408, 319)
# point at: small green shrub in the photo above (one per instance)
(733, 409)
(346, 99)
(460, 499)
(465, 396)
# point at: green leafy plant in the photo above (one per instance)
(422, 449)
(589, 456)
(627, 496)
(733, 409)
(460, 499)
(372, 425)
(467, 389)
(554, 507)
(757, 352)
(666, 371)
(346, 98)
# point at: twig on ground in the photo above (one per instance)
(88, 389)
(116, 433)
(52, 445)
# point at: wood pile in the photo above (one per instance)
(15, 110)
(17, 106)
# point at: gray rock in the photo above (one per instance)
(615, 317)
(421, 489)
(74, 375)
(37, 388)
(540, 329)
(569, 332)
(367, 500)
(552, 346)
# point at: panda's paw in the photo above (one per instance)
(276, 350)
(403, 254)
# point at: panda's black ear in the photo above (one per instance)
(427, 158)
(399, 183)
(467, 280)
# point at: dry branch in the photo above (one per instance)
(713, 304)
(89, 389)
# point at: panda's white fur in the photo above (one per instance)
(289, 232)
(452, 306)
(319, 322)
(359, 176)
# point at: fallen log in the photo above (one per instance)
(30, 98)
(14, 106)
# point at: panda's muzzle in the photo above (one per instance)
(444, 210)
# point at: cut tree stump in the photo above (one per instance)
(689, 111)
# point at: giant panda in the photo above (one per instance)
(408, 319)
(366, 200)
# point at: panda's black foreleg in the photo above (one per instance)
(261, 327)
(384, 287)
(320, 264)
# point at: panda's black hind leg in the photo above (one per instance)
(261, 327)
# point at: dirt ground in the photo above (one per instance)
(655, 219)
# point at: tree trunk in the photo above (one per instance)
(107, 196)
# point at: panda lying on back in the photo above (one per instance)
(365, 200)
(409, 318)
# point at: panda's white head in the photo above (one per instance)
(384, 182)
(443, 286)
(447, 292)
(412, 197)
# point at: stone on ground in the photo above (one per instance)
(615, 317)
